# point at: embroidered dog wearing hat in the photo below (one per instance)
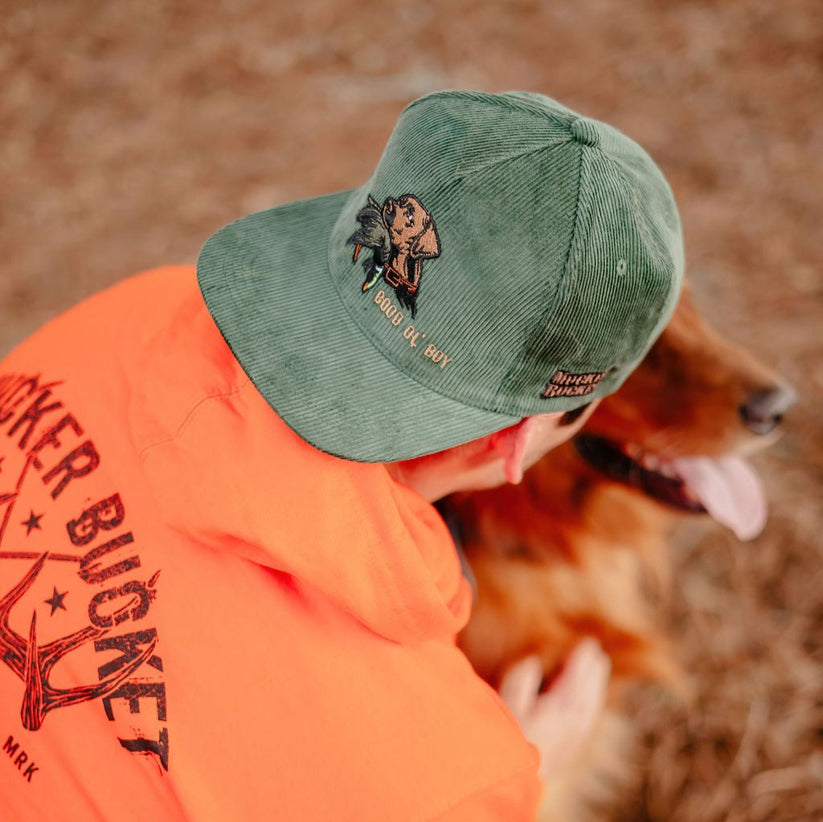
(401, 235)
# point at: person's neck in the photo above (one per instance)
(467, 467)
(416, 475)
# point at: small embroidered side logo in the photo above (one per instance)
(400, 234)
(566, 384)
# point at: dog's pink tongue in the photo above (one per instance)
(729, 490)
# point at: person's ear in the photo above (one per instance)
(520, 445)
(512, 443)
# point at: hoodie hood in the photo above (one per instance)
(228, 473)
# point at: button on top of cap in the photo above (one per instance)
(585, 132)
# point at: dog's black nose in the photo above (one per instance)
(764, 410)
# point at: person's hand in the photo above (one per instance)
(559, 721)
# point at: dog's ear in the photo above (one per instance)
(426, 244)
(372, 232)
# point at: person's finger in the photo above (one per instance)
(563, 718)
(585, 674)
(577, 697)
(588, 696)
(521, 685)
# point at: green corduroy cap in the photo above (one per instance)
(508, 257)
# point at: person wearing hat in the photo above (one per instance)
(224, 591)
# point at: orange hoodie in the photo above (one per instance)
(202, 617)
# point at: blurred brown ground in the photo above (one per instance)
(132, 130)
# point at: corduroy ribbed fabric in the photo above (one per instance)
(552, 260)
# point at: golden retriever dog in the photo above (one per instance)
(574, 550)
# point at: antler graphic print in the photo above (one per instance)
(33, 664)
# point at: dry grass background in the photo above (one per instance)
(132, 130)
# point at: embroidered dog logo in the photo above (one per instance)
(400, 234)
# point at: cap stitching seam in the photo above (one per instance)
(483, 167)
(560, 290)
(576, 225)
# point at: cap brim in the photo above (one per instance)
(266, 282)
